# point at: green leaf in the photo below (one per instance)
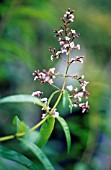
(23, 98)
(17, 157)
(39, 154)
(65, 98)
(66, 131)
(21, 126)
(46, 130)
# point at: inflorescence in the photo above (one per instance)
(66, 37)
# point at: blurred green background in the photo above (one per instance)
(26, 33)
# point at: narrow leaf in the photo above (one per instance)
(39, 154)
(66, 131)
(17, 157)
(46, 130)
(23, 98)
(65, 98)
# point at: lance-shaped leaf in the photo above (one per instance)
(17, 157)
(46, 130)
(39, 154)
(66, 131)
(65, 98)
(23, 98)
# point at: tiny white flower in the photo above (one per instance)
(63, 50)
(61, 43)
(81, 104)
(71, 20)
(50, 81)
(59, 52)
(43, 116)
(83, 110)
(82, 77)
(67, 38)
(72, 16)
(75, 105)
(79, 99)
(85, 83)
(44, 100)
(66, 45)
(35, 78)
(76, 89)
(73, 31)
(52, 70)
(84, 88)
(78, 46)
(42, 75)
(59, 39)
(65, 15)
(70, 87)
(56, 114)
(80, 94)
(81, 60)
(37, 93)
(72, 44)
(52, 57)
(60, 31)
(67, 12)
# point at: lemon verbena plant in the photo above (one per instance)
(74, 95)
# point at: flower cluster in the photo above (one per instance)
(77, 95)
(45, 76)
(66, 37)
(44, 100)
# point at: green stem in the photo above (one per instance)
(40, 123)
(7, 138)
(50, 98)
(63, 86)
(23, 133)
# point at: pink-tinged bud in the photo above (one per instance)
(65, 15)
(72, 44)
(37, 93)
(52, 57)
(44, 100)
(71, 16)
(61, 43)
(71, 20)
(58, 53)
